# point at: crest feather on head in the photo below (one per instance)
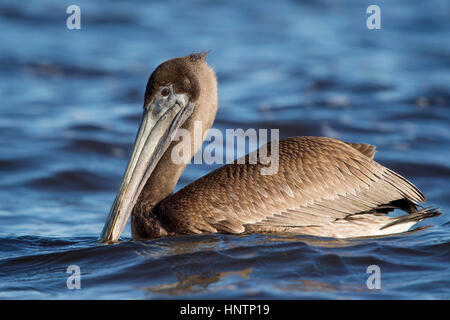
(196, 56)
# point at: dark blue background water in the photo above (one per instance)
(71, 102)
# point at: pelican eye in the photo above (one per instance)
(165, 92)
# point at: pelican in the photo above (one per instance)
(324, 187)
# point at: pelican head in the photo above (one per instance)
(179, 92)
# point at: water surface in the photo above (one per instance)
(71, 102)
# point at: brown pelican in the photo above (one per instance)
(323, 187)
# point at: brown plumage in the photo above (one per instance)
(324, 187)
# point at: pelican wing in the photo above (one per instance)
(366, 149)
(320, 180)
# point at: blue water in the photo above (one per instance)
(70, 106)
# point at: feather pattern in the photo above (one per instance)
(321, 182)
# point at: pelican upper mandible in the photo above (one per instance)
(323, 187)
